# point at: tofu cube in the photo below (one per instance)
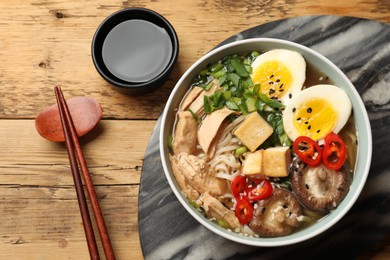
(276, 161)
(253, 131)
(253, 163)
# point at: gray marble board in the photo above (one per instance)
(361, 49)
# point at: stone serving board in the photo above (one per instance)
(361, 49)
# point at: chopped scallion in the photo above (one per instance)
(231, 105)
(235, 79)
(270, 102)
(239, 68)
(251, 104)
(209, 85)
(206, 104)
(169, 141)
(240, 150)
(227, 94)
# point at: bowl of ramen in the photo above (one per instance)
(265, 142)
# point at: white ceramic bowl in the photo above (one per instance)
(337, 77)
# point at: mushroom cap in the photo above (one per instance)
(319, 188)
(277, 215)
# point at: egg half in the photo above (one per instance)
(317, 111)
(280, 73)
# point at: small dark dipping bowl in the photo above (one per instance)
(134, 49)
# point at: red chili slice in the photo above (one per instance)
(261, 189)
(308, 150)
(244, 211)
(238, 185)
(335, 151)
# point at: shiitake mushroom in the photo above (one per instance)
(276, 216)
(319, 188)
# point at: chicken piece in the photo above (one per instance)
(185, 133)
(211, 126)
(190, 97)
(187, 189)
(197, 106)
(215, 209)
(199, 176)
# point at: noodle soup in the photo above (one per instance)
(247, 138)
(240, 162)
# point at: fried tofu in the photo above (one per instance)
(271, 162)
(276, 161)
(253, 131)
(253, 163)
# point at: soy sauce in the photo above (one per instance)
(137, 50)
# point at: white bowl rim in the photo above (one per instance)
(349, 201)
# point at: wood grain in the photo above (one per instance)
(46, 43)
(39, 210)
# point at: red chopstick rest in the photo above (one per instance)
(86, 113)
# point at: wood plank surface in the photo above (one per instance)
(39, 213)
(47, 43)
(44, 43)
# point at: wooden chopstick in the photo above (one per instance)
(90, 236)
(74, 149)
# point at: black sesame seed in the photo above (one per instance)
(294, 109)
(285, 206)
(278, 80)
(298, 118)
(290, 95)
(307, 186)
(306, 122)
(271, 82)
(309, 127)
(271, 91)
(309, 110)
(262, 210)
(281, 90)
(319, 130)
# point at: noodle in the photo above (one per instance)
(224, 162)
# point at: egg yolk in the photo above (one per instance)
(315, 118)
(274, 79)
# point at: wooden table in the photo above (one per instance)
(47, 43)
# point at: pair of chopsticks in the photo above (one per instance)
(75, 155)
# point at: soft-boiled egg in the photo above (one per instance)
(280, 73)
(317, 111)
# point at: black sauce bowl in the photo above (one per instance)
(128, 87)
